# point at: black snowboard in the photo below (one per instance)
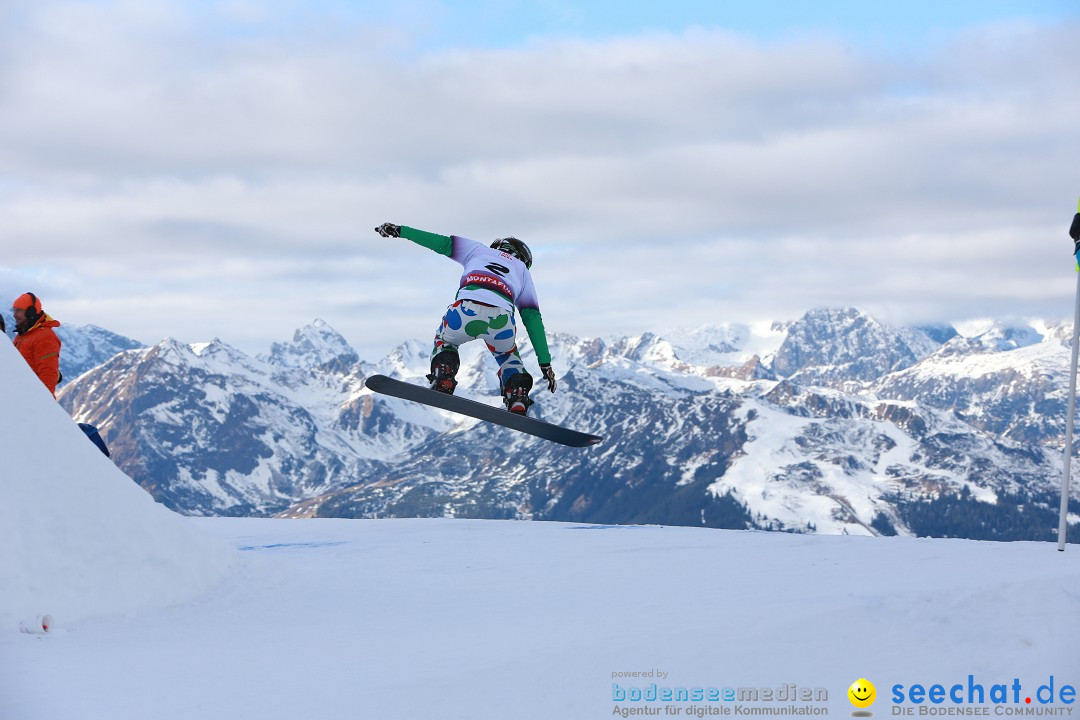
(480, 411)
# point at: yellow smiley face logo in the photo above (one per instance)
(862, 693)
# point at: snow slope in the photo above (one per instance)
(345, 619)
(78, 538)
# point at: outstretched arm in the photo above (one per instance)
(441, 244)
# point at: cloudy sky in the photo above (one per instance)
(214, 168)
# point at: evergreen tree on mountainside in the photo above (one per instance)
(1012, 517)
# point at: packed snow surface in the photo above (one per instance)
(498, 619)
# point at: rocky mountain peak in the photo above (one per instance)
(314, 345)
(829, 346)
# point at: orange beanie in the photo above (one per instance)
(26, 301)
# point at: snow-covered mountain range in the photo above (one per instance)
(834, 423)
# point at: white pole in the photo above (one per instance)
(1070, 421)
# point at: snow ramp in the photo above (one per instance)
(79, 538)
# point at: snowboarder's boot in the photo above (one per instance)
(516, 393)
(444, 367)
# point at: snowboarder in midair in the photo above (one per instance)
(494, 286)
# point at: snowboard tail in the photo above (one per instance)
(480, 411)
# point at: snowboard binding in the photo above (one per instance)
(516, 393)
(444, 367)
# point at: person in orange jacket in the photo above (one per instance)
(36, 340)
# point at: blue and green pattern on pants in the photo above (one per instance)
(467, 320)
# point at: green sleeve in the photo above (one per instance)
(534, 324)
(441, 244)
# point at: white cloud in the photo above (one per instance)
(164, 165)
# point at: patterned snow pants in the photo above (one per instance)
(467, 320)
